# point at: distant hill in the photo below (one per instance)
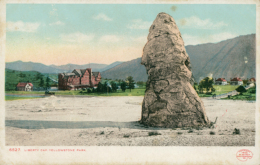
(227, 59)
(110, 66)
(71, 67)
(39, 67)
(31, 66)
(130, 68)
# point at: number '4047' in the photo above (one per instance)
(14, 149)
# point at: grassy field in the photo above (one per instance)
(11, 98)
(134, 92)
(220, 89)
(204, 95)
(248, 95)
(25, 92)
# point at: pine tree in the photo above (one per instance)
(114, 86)
(47, 83)
(100, 87)
(123, 86)
(38, 76)
(41, 83)
(105, 87)
(131, 82)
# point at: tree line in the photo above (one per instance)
(129, 83)
(42, 84)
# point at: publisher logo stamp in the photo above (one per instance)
(244, 154)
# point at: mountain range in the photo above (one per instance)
(227, 59)
(31, 66)
(130, 68)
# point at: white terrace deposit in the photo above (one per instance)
(90, 121)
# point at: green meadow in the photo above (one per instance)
(25, 92)
(11, 98)
(220, 89)
(134, 92)
(250, 95)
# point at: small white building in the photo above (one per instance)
(21, 86)
(236, 81)
(221, 81)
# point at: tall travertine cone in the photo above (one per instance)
(170, 100)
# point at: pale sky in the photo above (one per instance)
(97, 33)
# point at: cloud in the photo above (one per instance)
(139, 24)
(77, 37)
(142, 39)
(110, 38)
(53, 12)
(102, 16)
(57, 23)
(22, 26)
(195, 40)
(195, 22)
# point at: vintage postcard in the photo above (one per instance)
(136, 82)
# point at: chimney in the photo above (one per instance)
(89, 70)
(90, 76)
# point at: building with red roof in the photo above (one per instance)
(221, 81)
(236, 81)
(24, 86)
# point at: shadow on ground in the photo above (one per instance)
(38, 124)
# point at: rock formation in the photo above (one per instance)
(170, 100)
